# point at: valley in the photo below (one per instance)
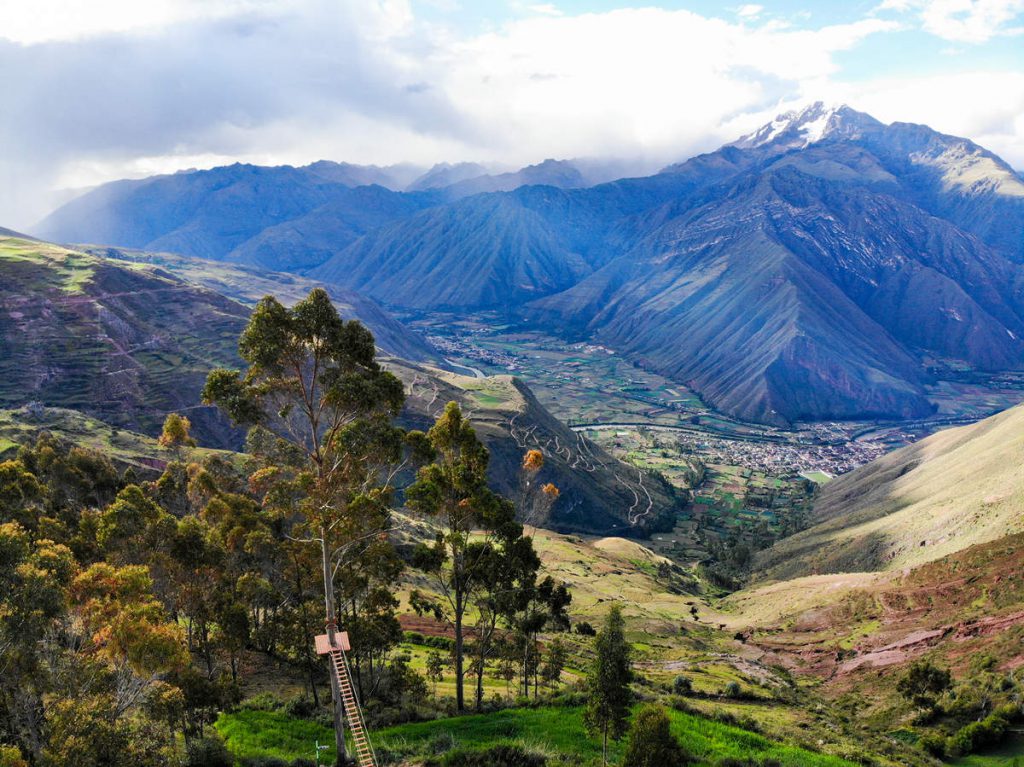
(755, 422)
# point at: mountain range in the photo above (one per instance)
(814, 269)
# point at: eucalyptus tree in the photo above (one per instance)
(479, 546)
(314, 385)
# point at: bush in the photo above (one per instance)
(732, 690)
(265, 701)
(208, 752)
(651, 742)
(977, 735)
(262, 761)
(299, 707)
(583, 628)
(10, 756)
(682, 685)
(932, 744)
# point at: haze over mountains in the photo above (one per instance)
(811, 270)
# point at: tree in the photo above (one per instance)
(435, 668)
(453, 490)
(176, 433)
(651, 742)
(923, 683)
(608, 694)
(325, 406)
(554, 663)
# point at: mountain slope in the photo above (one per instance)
(598, 493)
(815, 269)
(282, 217)
(125, 343)
(485, 251)
(309, 240)
(796, 297)
(954, 489)
(247, 285)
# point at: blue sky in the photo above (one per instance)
(108, 89)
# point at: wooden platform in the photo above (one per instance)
(341, 642)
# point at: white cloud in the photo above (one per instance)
(749, 11)
(963, 21)
(292, 81)
(987, 107)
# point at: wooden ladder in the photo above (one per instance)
(353, 713)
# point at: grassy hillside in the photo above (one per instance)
(957, 488)
(125, 448)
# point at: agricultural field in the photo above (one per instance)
(593, 389)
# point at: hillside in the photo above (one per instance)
(237, 212)
(598, 493)
(954, 489)
(247, 285)
(505, 249)
(125, 343)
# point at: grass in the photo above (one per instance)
(553, 730)
(269, 733)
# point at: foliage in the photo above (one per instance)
(608, 682)
(651, 742)
(923, 683)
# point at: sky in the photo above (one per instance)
(96, 90)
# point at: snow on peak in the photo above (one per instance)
(800, 128)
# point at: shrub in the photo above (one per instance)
(932, 744)
(10, 756)
(977, 735)
(732, 690)
(299, 707)
(208, 752)
(651, 743)
(262, 761)
(682, 685)
(583, 628)
(265, 701)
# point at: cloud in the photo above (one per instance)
(963, 21)
(749, 11)
(182, 83)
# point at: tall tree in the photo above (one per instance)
(608, 693)
(313, 382)
(477, 526)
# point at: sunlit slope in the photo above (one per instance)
(957, 488)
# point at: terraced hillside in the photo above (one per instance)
(247, 285)
(954, 489)
(125, 343)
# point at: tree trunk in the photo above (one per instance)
(460, 672)
(332, 625)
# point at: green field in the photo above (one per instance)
(553, 731)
